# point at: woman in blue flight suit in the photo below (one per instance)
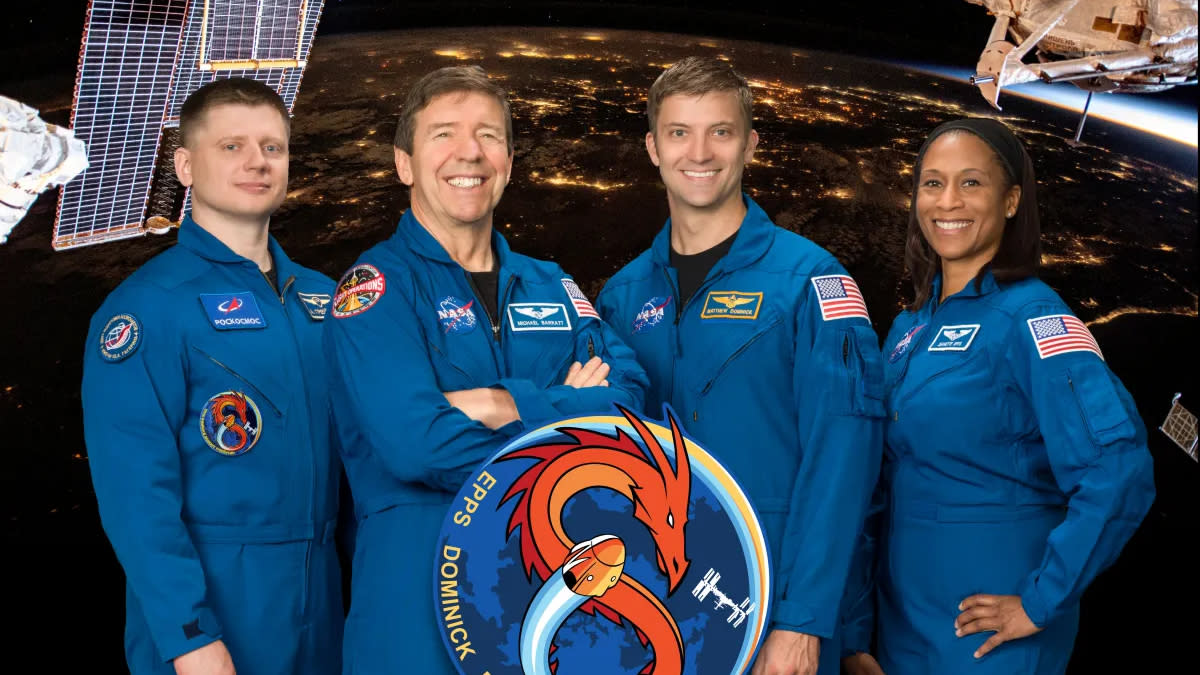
(1016, 466)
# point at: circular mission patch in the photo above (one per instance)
(602, 545)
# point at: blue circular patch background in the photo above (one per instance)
(120, 337)
(214, 431)
(453, 318)
(493, 590)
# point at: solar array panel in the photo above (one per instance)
(139, 61)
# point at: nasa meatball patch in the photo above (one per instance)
(120, 337)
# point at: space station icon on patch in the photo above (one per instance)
(603, 544)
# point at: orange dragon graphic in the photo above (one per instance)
(640, 472)
(235, 420)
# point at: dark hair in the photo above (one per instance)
(229, 91)
(448, 80)
(1020, 252)
(696, 75)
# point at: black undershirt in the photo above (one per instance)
(272, 276)
(693, 269)
(487, 287)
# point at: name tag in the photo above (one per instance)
(233, 311)
(731, 305)
(954, 338)
(524, 316)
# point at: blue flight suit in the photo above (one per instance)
(208, 435)
(408, 327)
(1015, 464)
(786, 391)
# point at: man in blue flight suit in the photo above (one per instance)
(207, 421)
(761, 343)
(444, 345)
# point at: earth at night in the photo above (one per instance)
(838, 138)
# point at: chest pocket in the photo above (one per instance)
(210, 375)
(748, 349)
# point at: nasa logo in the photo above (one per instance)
(230, 423)
(233, 311)
(456, 316)
(902, 346)
(652, 312)
(120, 337)
(551, 561)
(359, 289)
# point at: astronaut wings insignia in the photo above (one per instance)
(731, 301)
(538, 313)
(956, 334)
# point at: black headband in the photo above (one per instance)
(998, 137)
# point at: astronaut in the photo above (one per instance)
(33, 156)
(443, 345)
(207, 420)
(761, 342)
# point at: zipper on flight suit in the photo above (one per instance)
(493, 320)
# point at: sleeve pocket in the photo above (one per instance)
(859, 345)
(1100, 404)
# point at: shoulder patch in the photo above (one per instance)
(120, 337)
(359, 288)
(1056, 334)
(583, 306)
(839, 297)
(316, 304)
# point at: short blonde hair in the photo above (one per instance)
(696, 75)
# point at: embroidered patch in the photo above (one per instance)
(583, 306)
(233, 311)
(359, 288)
(731, 305)
(230, 423)
(316, 304)
(1056, 334)
(903, 344)
(839, 297)
(653, 311)
(538, 316)
(120, 337)
(954, 338)
(456, 316)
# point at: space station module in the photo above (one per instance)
(33, 156)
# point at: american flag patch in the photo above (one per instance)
(1061, 333)
(583, 307)
(839, 297)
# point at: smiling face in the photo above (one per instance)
(236, 163)
(963, 200)
(460, 162)
(701, 145)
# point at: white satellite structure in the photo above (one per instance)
(1107, 46)
(139, 61)
(707, 585)
(34, 156)
(1180, 427)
